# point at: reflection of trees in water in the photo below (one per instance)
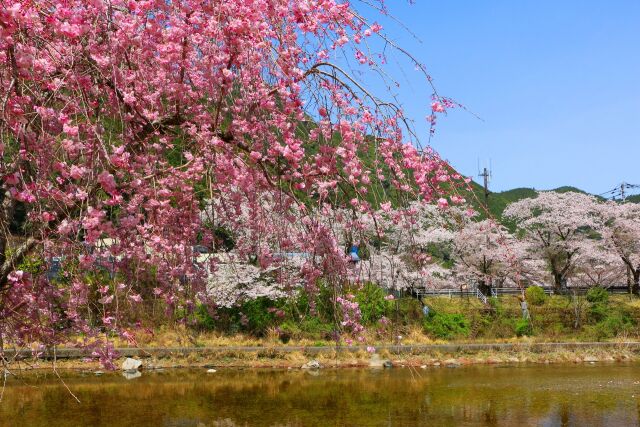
(489, 416)
(564, 415)
(487, 396)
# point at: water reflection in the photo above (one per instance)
(598, 395)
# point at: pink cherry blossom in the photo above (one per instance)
(138, 129)
(556, 231)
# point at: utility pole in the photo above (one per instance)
(486, 174)
(622, 186)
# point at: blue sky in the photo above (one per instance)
(557, 84)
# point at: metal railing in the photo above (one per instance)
(482, 297)
(473, 291)
(450, 292)
(469, 292)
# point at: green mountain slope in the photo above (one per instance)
(568, 188)
(497, 201)
(500, 200)
(634, 199)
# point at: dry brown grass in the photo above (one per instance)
(273, 358)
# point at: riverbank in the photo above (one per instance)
(284, 357)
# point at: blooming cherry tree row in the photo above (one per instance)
(559, 239)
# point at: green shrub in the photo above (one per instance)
(318, 303)
(314, 328)
(496, 305)
(321, 299)
(255, 315)
(499, 327)
(288, 330)
(372, 303)
(619, 323)
(598, 299)
(597, 295)
(598, 311)
(446, 326)
(535, 295)
(523, 327)
(297, 306)
(204, 320)
(310, 327)
(404, 311)
(32, 264)
(611, 327)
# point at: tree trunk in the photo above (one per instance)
(559, 283)
(484, 287)
(633, 276)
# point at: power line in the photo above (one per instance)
(619, 192)
(613, 190)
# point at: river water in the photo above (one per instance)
(531, 395)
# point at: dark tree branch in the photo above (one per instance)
(15, 259)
